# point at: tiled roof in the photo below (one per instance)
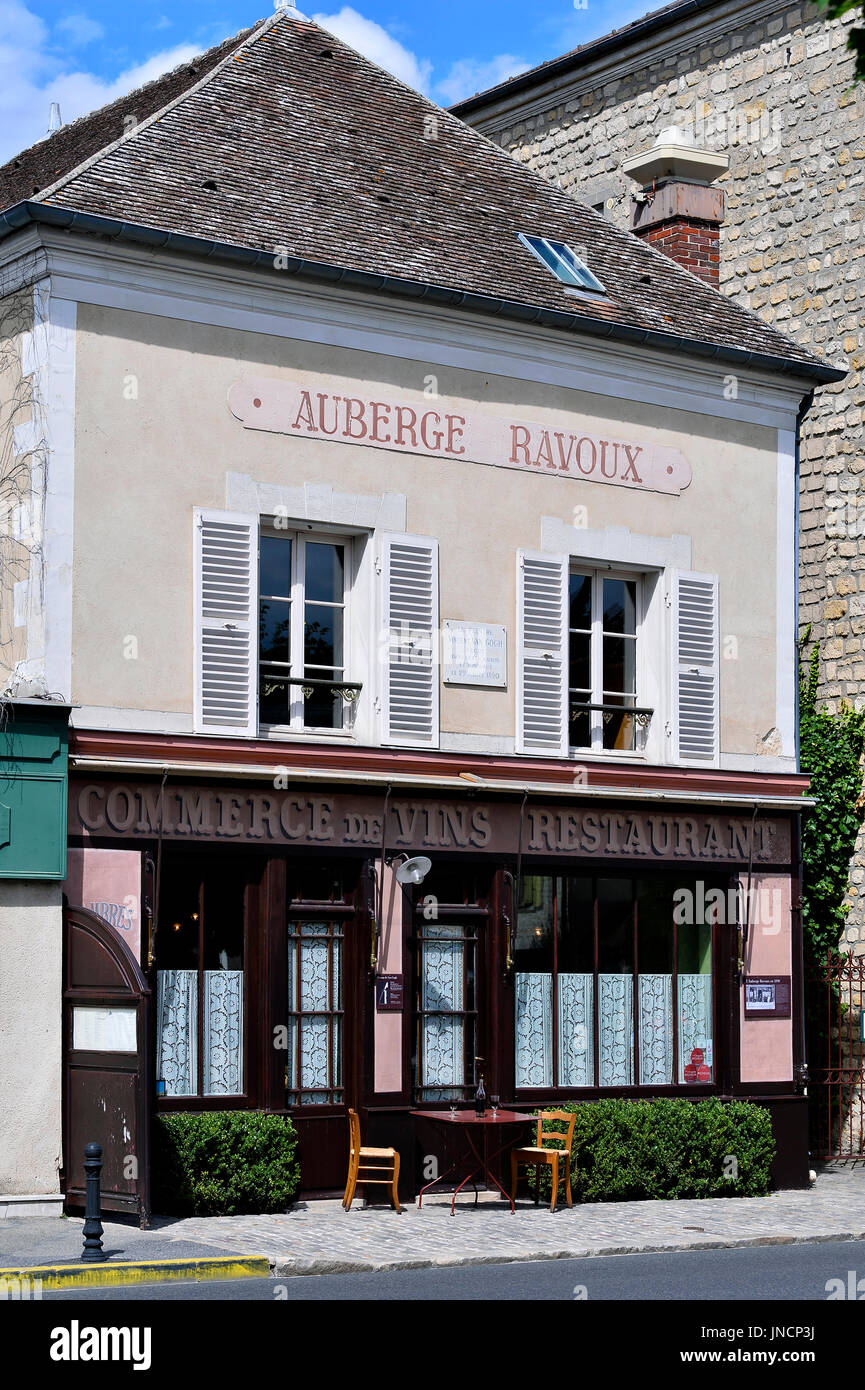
(51, 159)
(296, 141)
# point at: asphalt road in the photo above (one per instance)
(756, 1274)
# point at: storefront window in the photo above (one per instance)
(199, 983)
(315, 1013)
(446, 942)
(613, 983)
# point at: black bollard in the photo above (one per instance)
(92, 1223)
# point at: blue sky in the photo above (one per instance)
(87, 52)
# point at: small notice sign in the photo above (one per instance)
(767, 996)
(474, 654)
(388, 994)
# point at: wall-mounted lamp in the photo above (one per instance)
(413, 870)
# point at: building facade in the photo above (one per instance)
(378, 526)
(772, 88)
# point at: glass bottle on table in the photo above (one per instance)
(480, 1097)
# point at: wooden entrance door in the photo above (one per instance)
(106, 1078)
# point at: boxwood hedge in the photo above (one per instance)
(637, 1150)
(224, 1163)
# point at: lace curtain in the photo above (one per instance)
(695, 1018)
(314, 1050)
(177, 1031)
(223, 1032)
(655, 1012)
(616, 1030)
(534, 1029)
(576, 1030)
(442, 1065)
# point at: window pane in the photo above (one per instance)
(580, 673)
(273, 698)
(615, 982)
(580, 600)
(580, 735)
(620, 666)
(445, 1057)
(314, 1004)
(695, 987)
(323, 637)
(274, 621)
(620, 605)
(323, 709)
(577, 925)
(533, 981)
(615, 926)
(536, 923)
(655, 1004)
(620, 730)
(324, 580)
(274, 567)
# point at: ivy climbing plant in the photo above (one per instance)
(831, 748)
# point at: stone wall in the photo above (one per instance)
(773, 88)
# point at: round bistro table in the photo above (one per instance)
(466, 1123)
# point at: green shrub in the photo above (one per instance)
(637, 1150)
(224, 1163)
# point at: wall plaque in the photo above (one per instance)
(767, 996)
(388, 994)
(474, 654)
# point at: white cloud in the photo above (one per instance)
(32, 76)
(468, 76)
(377, 44)
(79, 30)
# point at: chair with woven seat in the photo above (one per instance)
(537, 1156)
(367, 1166)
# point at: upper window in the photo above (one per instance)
(602, 665)
(564, 263)
(302, 632)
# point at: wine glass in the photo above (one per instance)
(494, 1102)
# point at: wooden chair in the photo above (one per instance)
(385, 1168)
(537, 1156)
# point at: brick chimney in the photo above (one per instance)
(676, 209)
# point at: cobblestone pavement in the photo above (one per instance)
(319, 1237)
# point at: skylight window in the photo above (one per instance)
(564, 263)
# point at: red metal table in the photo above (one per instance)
(463, 1122)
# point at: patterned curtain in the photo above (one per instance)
(442, 1065)
(695, 1018)
(314, 1043)
(534, 1030)
(576, 1030)
(223, 1032)
(616, 1030)
(177, 1031)
(656, 1029)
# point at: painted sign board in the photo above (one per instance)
(418, 824)
(318, 408)
(474, 654)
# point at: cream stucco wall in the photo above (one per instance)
(16, 411)
(155, 438)
(31, 985)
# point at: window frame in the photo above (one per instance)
(721, 956)
(561, 268)
(596, 658)
(299, 538)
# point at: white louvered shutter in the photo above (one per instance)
(542, 653)
(226, 642)
(695, 666)
(410, 640)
